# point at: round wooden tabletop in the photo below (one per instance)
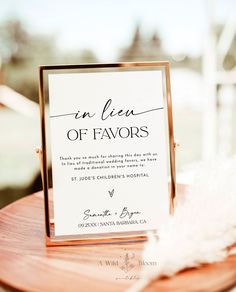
(28, 265)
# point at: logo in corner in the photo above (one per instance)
(128, 262)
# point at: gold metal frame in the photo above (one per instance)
(52, 240)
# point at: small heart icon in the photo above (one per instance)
(111, 193)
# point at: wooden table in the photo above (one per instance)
(26, 264)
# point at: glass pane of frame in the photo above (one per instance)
(57, 84)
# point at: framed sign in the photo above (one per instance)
(107, 135)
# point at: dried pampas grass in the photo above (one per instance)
(201, 229)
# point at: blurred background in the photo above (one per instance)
(198, 37)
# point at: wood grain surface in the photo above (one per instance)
(27, 265)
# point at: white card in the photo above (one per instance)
(109, 152)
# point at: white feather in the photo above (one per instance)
(202, 227)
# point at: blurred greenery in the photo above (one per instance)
(22, 52)
(142, 48)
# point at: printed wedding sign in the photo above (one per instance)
(109, 151)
